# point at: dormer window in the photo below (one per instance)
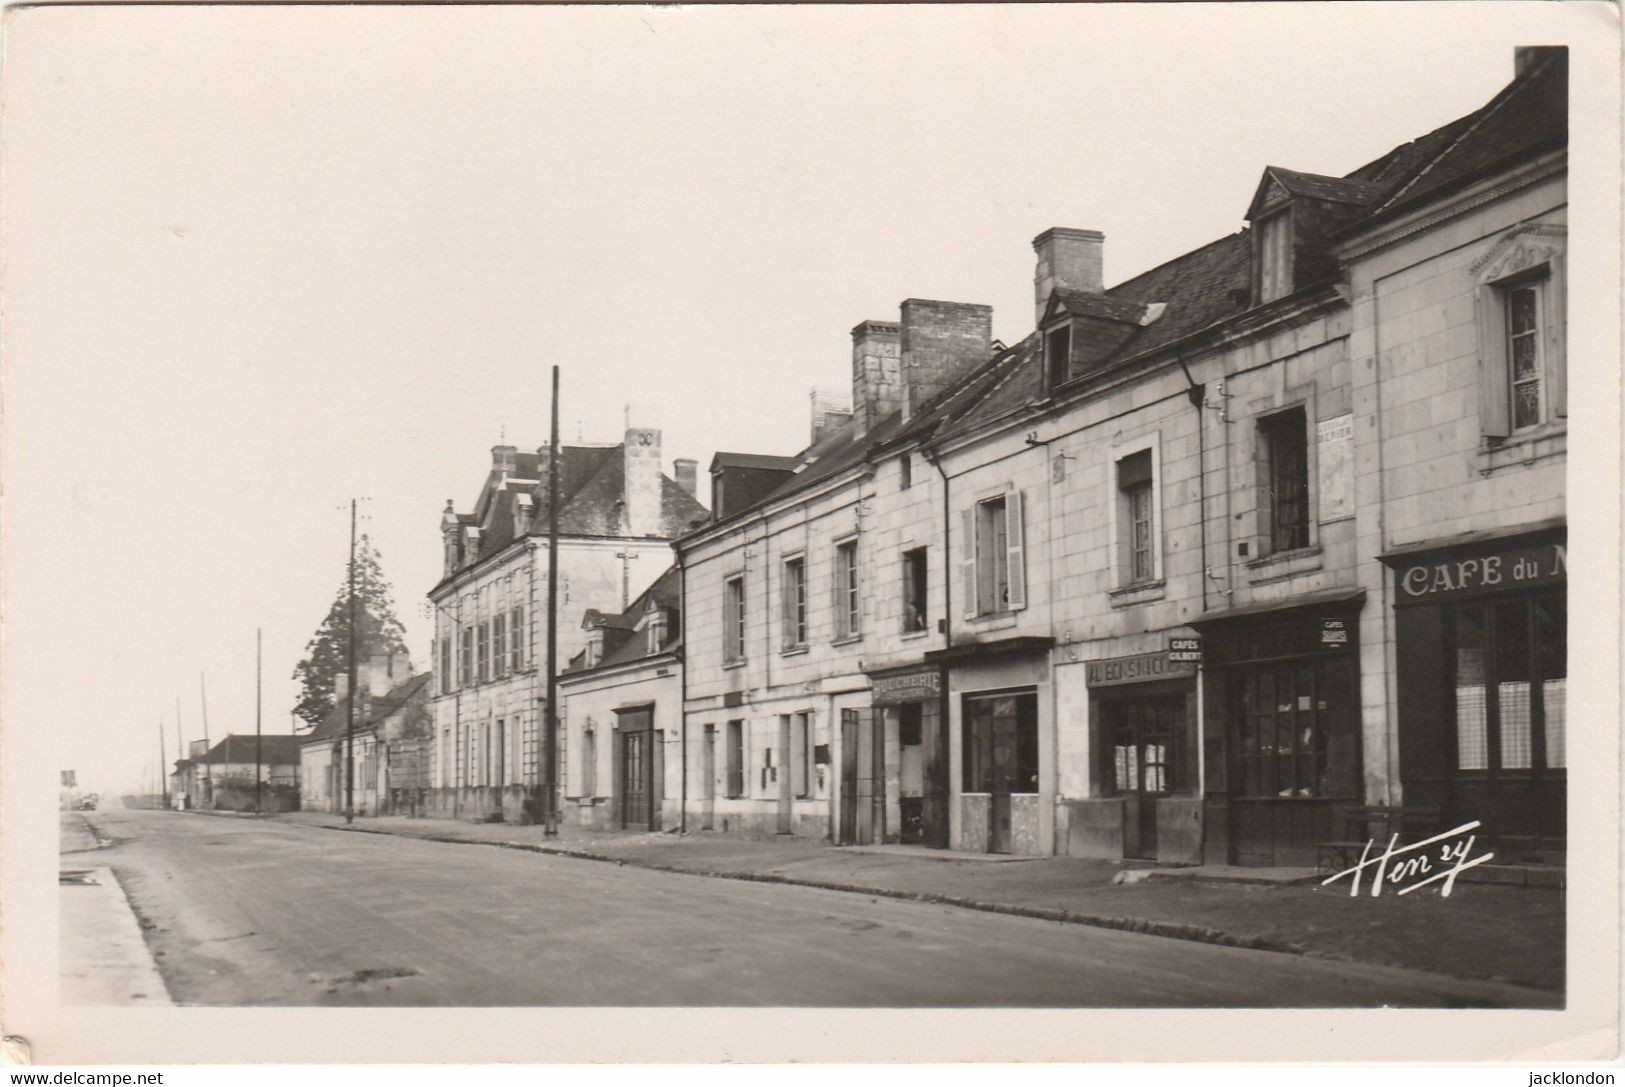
(1273, 255)
(655, 631)
(1058, 354)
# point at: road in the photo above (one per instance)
(248, 912)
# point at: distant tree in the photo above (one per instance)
(326, 657)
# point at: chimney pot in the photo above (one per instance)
(1068, 257)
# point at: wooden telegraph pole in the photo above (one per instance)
(550, 777)
(349, 724)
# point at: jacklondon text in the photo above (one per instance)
(1570, 1077)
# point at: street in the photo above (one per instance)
(239, 911)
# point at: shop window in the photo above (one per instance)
(1289, 716)
(1511, 674)
(1001, 744)
(1136, 521)
(735, 758)
(847, 604)
(794, 607)
(994, 568)
(914, 590)
(1284, 440)
(1147, 739)
(733, 619)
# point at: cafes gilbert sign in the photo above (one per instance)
(1525, 565)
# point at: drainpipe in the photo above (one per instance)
(1198, 397)
(682, 696)
(943, 701)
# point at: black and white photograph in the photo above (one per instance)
(758, 515)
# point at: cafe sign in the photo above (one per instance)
(907, 687)
(1521, 566)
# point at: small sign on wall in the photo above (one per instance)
(1334, 632)
(1336, 459)
(1185, 649)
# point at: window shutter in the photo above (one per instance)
(1016, 551)
(1557, 378)
(1494, 407)
(787, 604)
(967, 565)
(837, 580)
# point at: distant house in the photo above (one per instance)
(622, 700)
(223, 776)
(389, 746)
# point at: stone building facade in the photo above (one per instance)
(618, 511)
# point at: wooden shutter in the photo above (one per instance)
(1494, 398)
(1555, 347)
(787, 607)
(1015, 551)
(967, 565)
(735, 758)
(836, 611)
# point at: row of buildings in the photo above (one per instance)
(1274, 527)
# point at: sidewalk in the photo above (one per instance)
(104, 960)
(1482, 931)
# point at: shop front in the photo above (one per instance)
(895, 762)
(1283, 727)
(1480, 629)
(1144, 713)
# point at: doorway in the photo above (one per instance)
(634, 740)
(708, 778)
(1145, 762)
(1001, 757)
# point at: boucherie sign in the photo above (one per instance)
(1511, 567)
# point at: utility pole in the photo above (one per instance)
(163, 762)
(550, 774)
(349, 700)
(259, 807)
(208, 752)
(180, 753)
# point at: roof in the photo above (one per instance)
(753, 460)
(666, 593)
(378, 708)
(1211, 284)
(239, 748)
(592, 495)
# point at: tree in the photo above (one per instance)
(326, 657)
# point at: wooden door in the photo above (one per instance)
(708, 779)
(848, 825)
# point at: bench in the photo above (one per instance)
(1356, 825)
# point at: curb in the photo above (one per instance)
(1171, 930)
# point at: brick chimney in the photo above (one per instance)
(687, 473)
(504, 459)
(642, 481)
(877, 375)
(1070, 258)
(940, 342)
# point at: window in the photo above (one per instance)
(733, 619)
(483, 651)
(1511, 680)
(736, 758)
(468, 657)
(500, 753)
(1058, 354)
(994, 569)
(914, 590)
(1286, 453)
(1001, 743)
(905, 471)
(795, 603)
(1274, 256)
(516, 638)
(655, 632)
(499, 644)
(847, 604)
(1521, 324)
(800, 754)
(1136, 546)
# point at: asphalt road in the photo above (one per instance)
(239, 911)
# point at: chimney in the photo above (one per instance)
(524, 513)
(1069, 258)
(687, 472)
(375, 678)
(341, 688)
(641, 451)
(504, 459)
(877, 378)
(1525, 57)
(940, 342)
(830, 412)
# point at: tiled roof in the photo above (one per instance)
(379, 708)
(1338, 190)
(240, 748)
(623, 645)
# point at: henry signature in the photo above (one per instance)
(1410, 867)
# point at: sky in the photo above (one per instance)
(260, 261)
